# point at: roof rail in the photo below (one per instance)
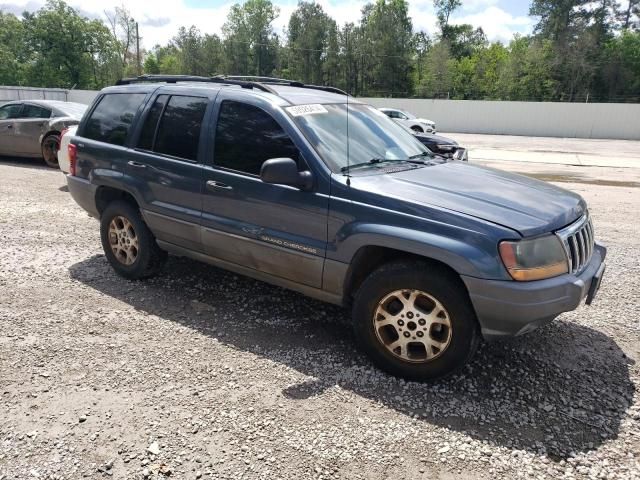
(244, 81)
(284, 81)
(194, 78)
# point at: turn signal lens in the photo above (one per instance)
(534, 259)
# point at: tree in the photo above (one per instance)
(65, 49)
(444, 9)
(437, 80)
(251, 46)
(123, 30)
(13, 52)
(630, 17)
(462, 39)
(387, 34)
(151, 65)
(308, 38)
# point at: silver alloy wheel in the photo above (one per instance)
(412, 325)
(123, 240)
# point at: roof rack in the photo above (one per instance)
(284, 81)
(194, 78)
(244, 81)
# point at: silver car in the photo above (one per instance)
(31, 128)
(422, 125)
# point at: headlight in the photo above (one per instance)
(534, 259)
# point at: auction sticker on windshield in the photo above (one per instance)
(311, 109)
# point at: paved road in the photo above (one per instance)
(564, 151)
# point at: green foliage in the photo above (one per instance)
(250, 46)
(309, 34)
(580, 50)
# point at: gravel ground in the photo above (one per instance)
(201, 373)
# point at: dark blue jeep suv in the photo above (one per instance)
(307, 188)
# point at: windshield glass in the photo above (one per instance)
(368, 134)
(410, 116)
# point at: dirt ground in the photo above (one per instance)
(200, 373)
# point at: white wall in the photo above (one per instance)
(82, 96)
(543, 119)
(537, 119)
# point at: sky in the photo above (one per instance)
(159, 20)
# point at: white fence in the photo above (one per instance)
(537, 119)
(33, 93)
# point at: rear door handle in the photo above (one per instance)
(213, 185)
(9, 127)
(131, 163)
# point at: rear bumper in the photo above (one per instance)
(510, 308)
(84, 194)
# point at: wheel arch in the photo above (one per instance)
(106, 194)
(368, 258)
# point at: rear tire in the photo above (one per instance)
(49, 147)
(415, 320)
(128, 243)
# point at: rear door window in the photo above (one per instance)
(147, 136)
(111, 120)
(173, 126)
(247, 136)
(35, 111)
(10, 111)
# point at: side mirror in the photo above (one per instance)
(284, 171)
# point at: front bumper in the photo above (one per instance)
(510, 308)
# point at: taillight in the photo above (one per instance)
(62, 134)
(73, 157)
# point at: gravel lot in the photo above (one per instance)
(201, 373)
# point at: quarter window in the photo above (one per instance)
(247, 136)
(111, 120)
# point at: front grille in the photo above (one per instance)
(578, 241)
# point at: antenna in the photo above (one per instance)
(348, 85)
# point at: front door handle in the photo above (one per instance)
(213, 185)
(9, 127)
(132, 163)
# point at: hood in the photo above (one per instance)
(425, 120)
(436, 139)
(530, 207)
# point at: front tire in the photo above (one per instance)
(128, 243)
(50, 146)
(415, 320)
(415, 128)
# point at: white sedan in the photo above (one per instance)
(409, 120)
(63, 152)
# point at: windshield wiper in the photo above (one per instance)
(374, 161)
(419, 155)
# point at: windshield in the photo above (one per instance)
(368, 134)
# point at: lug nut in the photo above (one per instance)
(407, 334)
(420, 334)
(401, 322)
(422, 321)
